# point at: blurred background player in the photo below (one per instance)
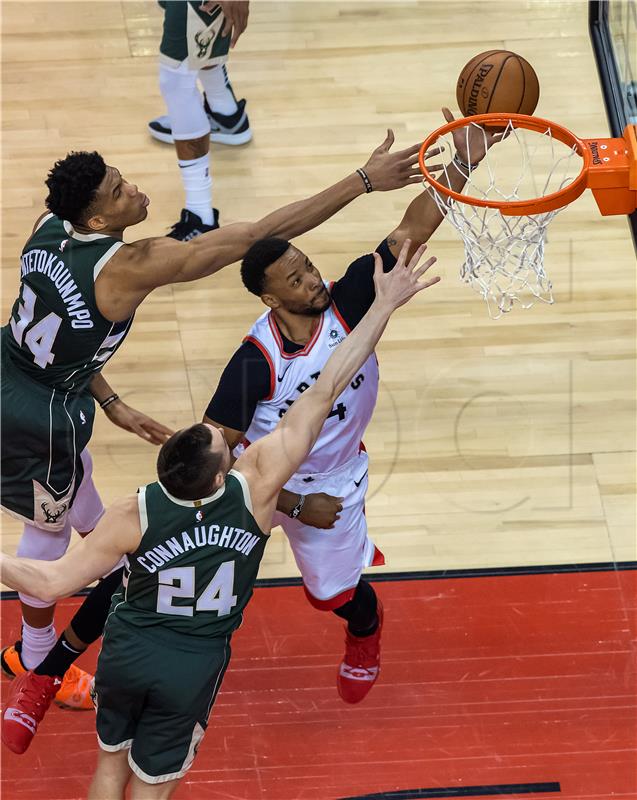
(195, 43)
(194, 540)
(281, 358)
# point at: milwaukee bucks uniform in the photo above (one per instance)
(167, 639)
(55, 341)
(193, 35)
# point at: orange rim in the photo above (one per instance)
(514, 208)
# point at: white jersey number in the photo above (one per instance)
(41, 336)
(180, 582)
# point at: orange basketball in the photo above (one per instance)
(497, 81)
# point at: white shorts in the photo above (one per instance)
(331, 561)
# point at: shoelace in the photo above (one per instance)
(36, 696)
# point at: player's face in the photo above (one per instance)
(296, 285)
(118, 203)
(219, 445)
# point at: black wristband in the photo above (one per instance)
(297, 508)
(460, 163)
(111, 399)
(365, 178)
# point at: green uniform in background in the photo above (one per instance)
(193, 35)
(167, 639)
(55, 341)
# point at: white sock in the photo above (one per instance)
(36, 643)
(217, 88)
(197, 181)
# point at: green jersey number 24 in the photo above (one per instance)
(180, 582)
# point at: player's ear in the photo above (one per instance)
(270, 300)
(96, 223)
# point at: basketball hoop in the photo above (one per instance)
(521, 184)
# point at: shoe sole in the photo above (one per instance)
(231, 139)
(6, 669)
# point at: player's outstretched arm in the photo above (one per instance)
(125, 416)
(423, 216)
(270, 462)
(134, 271)
(117, 533)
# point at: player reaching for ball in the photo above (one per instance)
(321, 508)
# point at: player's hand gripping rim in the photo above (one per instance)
(396, 287)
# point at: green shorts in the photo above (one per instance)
(44, 432)
(154, 693)
(193, 35)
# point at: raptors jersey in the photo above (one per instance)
(293, 373)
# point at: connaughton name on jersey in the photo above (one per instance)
(233, 538)
(54, 268)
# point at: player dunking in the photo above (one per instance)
(194, 540)
(80, 287)
(281, 358)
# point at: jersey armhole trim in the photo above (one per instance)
(99, 265)
(268, 358)
(338, 314)
(43, 220)
(141, 505)
(247, 499)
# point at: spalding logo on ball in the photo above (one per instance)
(497, 81)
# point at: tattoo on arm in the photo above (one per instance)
(391, 241)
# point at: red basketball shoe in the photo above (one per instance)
(28, 702)
(360, 666)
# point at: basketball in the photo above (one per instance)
(497, 81)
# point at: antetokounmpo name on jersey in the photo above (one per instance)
(54, 268)
(230, 537)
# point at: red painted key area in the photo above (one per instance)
(508, 679)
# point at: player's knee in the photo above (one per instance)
(184, 103)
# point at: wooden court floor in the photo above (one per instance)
(495, 443)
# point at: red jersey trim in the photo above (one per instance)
(262, 348)
(339, 316)
(279, 342)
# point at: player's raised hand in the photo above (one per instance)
(472, 141)
(128, 418)
(387, 171)
(396, 287)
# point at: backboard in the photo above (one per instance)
(613, 31)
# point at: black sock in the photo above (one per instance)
(58, 659)
(87, 624)
(360, 611)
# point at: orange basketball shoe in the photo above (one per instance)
(74, 689)
(360, 666)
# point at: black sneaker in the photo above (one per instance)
(190, 225)
(232, 129)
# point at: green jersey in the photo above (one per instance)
(56, 334)
(194, 570)
(193, 35)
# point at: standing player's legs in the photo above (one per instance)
(331, 563)
(191, 132)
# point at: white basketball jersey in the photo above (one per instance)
(293, 373)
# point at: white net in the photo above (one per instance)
(504, 255)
